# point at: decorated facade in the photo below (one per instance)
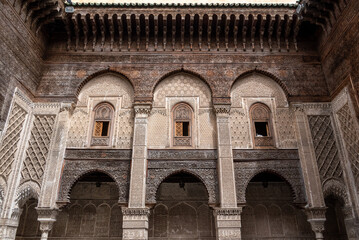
(179, 120)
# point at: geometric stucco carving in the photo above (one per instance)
(11, 139)
(325, 147)
(351, 139)
(118, 170)
(37, 152)
(289, 170)
(159, 170)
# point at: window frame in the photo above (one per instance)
(102, 141)
(260, 142)
(175, 120)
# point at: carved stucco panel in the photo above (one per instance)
(159, 170)
(325, 147)
(37, 152)
(288, 169)
(119, 171)
(11, 138)
(351, 138)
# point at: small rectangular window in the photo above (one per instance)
(261, 129)
(101, 128)
(182, 129)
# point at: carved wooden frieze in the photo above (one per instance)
(188, 154)
(99, 154)
(265, 154)
(159, 170)
(118, 170)
(288, 169)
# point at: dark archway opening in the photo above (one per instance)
(334, 227)
(270, 212)
(93, 212)
(29, 227)
(182, 210)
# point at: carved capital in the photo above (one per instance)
(222, 110)
(68, 107)
(142, 110)
(16, 213)
(135, 211)
(228, 211)
(47, 213)
(316, 218)
(298, 108)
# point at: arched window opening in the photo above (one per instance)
(182, 124)
(334, 226)
(29, 227)
(102, 126)
(93, 211)
(270, 212)
(261, 126)
(182, 210)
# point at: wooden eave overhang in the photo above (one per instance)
(171, 27)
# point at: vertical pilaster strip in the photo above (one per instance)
(135, 217)
(228, 216)
(12, 153)
(316, 206)
(48, 195)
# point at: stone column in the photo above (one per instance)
(9, 225)
(135, 217)
(228, 216)
(135, 223)
(316, 218)
(46, 217)
(315, 208)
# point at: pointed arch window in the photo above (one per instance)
(182, 125)
(261, 126)
(102, 124)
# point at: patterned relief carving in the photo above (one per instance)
(36, 153)
(284, 123)
(11, 139)
(124, 125)
(184, 85)
(239, 128)
(205, 170)
(78, 128)
(207, 129)
(325, 147)
(351, 139)
(74, 169)
(288, 169)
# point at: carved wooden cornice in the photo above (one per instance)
(167, 28)
(38, 13)
(323, 13)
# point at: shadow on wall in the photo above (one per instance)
(182, 210)
(270, 212)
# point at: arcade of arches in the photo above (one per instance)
(179, 120)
